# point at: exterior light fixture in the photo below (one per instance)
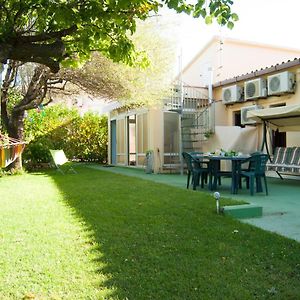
(217, 197)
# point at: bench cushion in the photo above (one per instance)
(295, 160)
(295, 169)
(280, 155)
(279, 168)
(285, 160)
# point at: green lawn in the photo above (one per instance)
(98, 235)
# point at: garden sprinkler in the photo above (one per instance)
(217, 197)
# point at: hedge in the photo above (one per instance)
(57, 127)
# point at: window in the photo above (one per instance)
(278, 138)
(142, 137)
(121, 141)
(131, 123)
(171, 138)
(237, 119)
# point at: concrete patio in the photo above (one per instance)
(281, 208)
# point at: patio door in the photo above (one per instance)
(131, 129)
(113, 141)
(171, 139)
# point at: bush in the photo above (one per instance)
(87, 140)
(57, 127)
(37, 151)
(43, 122)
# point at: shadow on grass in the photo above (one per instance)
(161, 242)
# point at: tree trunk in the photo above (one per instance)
(16, 130)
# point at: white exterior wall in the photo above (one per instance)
(242, 58)
(197, 72)
(231, 58)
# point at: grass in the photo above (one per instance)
(98, 235)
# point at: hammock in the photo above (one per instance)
(10, 150)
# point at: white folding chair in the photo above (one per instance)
(60, 159)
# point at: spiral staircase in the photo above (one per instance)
(194, 109)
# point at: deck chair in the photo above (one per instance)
(60, 161)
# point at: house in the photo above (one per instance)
(196, 116)
(274, 86)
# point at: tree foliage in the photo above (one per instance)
(57, 127)
(54, 32)
(101, 77)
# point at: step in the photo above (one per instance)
(244, 211)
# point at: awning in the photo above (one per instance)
(283, 118)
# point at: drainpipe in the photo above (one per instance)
(210, 92)
(210, 101)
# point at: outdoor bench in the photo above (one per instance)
(285, 160)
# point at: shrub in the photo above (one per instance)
(37, 151)
(57, 127)
(88, 138)
(41, 122)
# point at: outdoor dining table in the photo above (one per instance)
(214, 167)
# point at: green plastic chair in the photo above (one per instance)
(196, 171)
(60, 161)
(256, 171)
(249, 165)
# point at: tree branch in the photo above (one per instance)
(48, 102)
(36, 90)
(47, 36)
(46, 54)
(8, 79)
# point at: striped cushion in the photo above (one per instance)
(280, 155)
(286, 160)
(283, 169)
(289, 156)
(296, 170)
(296, 156)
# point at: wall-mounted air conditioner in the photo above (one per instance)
(281, 83)
(244, 110)
(232, 94)
(256, 88)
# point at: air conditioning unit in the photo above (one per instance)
(281, 83)
(244, 110)
(256, 88)
(232, 94)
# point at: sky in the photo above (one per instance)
(274, 22)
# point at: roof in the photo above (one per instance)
(283, 118)
(261, 72)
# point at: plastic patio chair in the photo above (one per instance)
(249, 165)
(60, 160)
(195, 170)
(256, 171)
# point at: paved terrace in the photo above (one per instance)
(281, 208)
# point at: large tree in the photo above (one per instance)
(56, 33)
